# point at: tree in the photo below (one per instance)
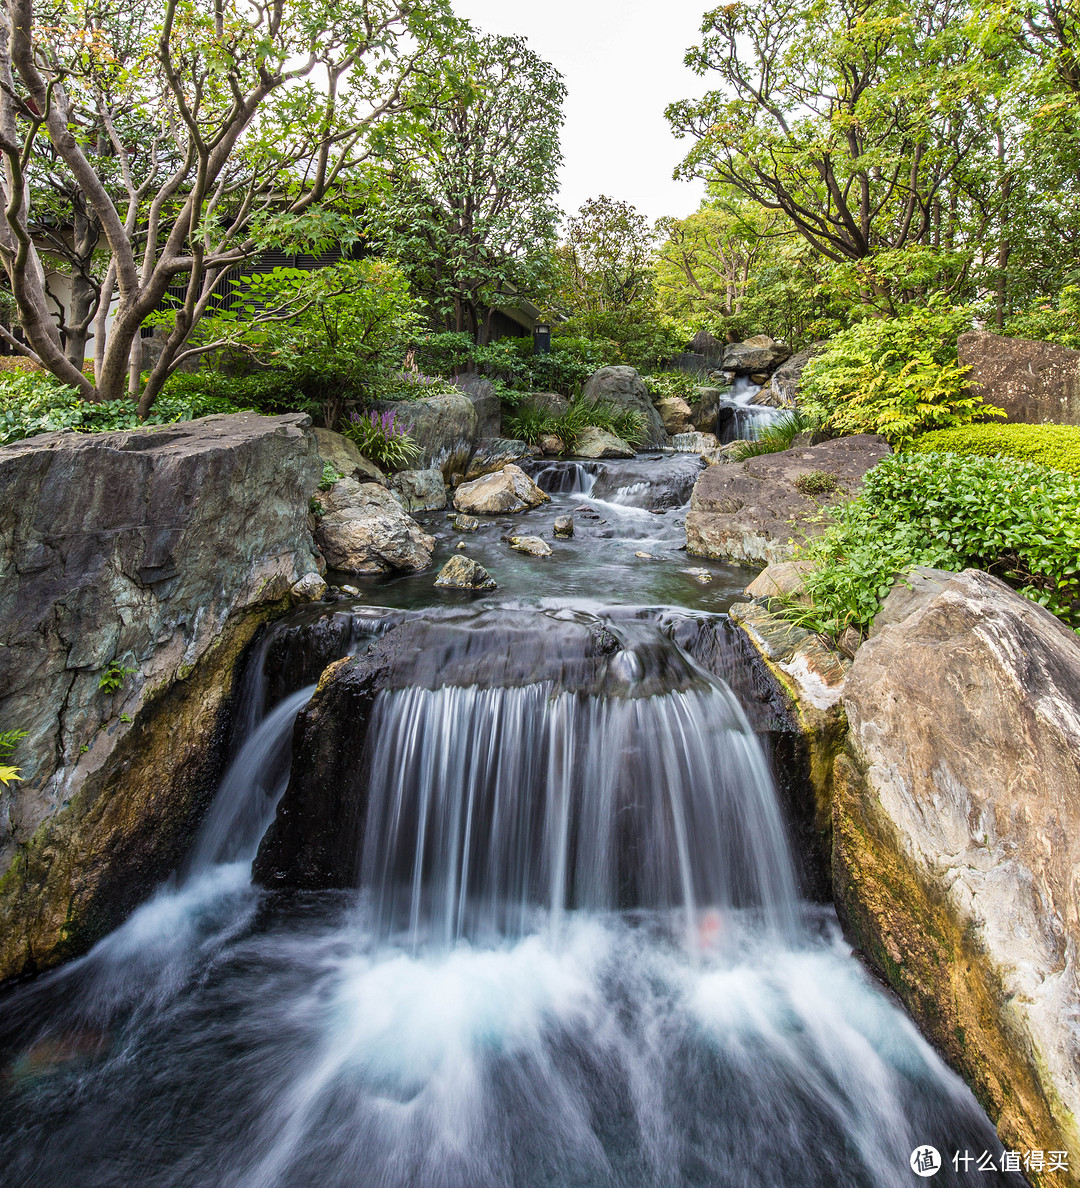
(605, 262)
(848, 117)
(472, 209)
(196, 133)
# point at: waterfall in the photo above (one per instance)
(565, 478)
(486, 805)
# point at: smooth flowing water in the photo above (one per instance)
(575, 952)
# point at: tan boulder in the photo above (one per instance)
(781, 580)
(599, 443)
(956, 839)
(343, 455)
(365, 530)
(1032, 381)
(675, 413)
(507, 490)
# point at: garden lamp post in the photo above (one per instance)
(542, 339)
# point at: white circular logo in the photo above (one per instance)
(925, 1161)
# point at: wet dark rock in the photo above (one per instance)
(531, 545)
(493, 453)
(485, 400)
(564, 526)
(757, 354)
(419, 490)
(156, 550)
(445, 427)
(464, 523)
(645, 483)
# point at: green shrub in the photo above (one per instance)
(1014, 519)
(1056, 446)
(271, 392)
(672, 383)
(383, 438)
(34, 402)
(1050, 321)
(510, 362)
(529, 422)
(817, 482)
(893, 376)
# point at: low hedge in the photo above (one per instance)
(1056, 446)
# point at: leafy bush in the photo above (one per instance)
(774, 438)
(529, 422)
(1015, 519)
(33, 403)
(672, 383)
(271, 392)
(895, 376)
(383, 438)
(637, 336)
(1049, 321)
(1056, 446)
(817, 482)
(510, 362)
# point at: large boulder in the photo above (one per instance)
(956, 835)
(599, 443)
(676, 414)
(759, 353)
(345, 458)
(153, 555)
(444, 426)
(753, 511)
(365, 530)
(508, 490)
(1032, 381)
(624, 388)
(493, 453)
(419, 490)
(787, 378)
(481, 392)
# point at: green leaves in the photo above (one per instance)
(893, 376)
(1019, 521)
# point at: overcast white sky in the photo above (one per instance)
(622, 62)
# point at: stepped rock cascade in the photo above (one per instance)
(496, 890)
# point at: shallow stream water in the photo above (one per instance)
(576, 953)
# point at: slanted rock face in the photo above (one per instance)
(787, 378)
(481, 392)
(365, 530)
(463, 573)
(599, 443)
(419, 490)
(345, 458)
(753, 511)
(1032, 381)
(445, 427)
(957, 843)
(509, 490)
(159, 551)
(759, 353)
(493, 453)
(623, 387)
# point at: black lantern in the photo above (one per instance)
(542, 339)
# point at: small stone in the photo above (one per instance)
(310, 588)
(352, 591)
(464, 523)
(460, 544)
(550, 444)
(564, 526)
(700, 575)
(463, 573)
(645, 556)
(532, 545)
(849, 641)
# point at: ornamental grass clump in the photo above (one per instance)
(1016, 520)
(383, 438)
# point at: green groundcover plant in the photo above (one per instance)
(33, 403)
(1015, 519)
(1056, 446)
(529, 422)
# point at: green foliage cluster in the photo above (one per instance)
(636, 336)
(1050, 321)
(112, 679)
(529, 422)
(1015, 519)
(34, 402)
(893, 376)
(510, 362)
(774, 438)
(1055, 446)
(383, 438)
(817, 482)
(9, 740)
(672, 383)
(271, 392)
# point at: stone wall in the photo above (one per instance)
(156, 551)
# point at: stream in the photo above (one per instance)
(573, 941)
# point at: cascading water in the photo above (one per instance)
(575, 956)
(740, 419)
